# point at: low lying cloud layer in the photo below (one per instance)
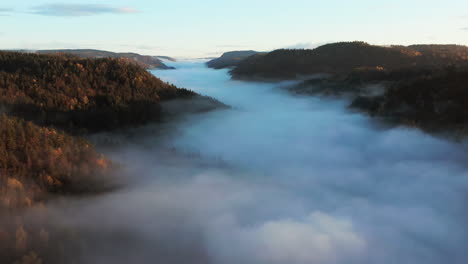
(276, 179)
(79, 10)
(316, 238)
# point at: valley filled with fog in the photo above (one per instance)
(277, 178)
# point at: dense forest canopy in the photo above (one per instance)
(431, 99)
(344, 57)
(36, 160)
(75, 93)
(449, 52)
(35, 163)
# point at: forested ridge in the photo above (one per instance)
(44, 160)
(145, 61)
(43, 95)
(436, 100)
(74, 93)
(432, 98)
(343, 57)
(37, 163)
(419, 85)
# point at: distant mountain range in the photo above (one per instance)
(147, 62)
(230, 59)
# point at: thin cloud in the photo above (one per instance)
(79, 10)
(305, 45)
(6, 11)
(464, 28)
(230, 46)
(141, 47)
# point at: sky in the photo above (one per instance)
(206, 28)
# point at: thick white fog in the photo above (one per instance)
(278, 179)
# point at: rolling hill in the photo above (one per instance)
(343, 58)
(148, 62)
(79, 94)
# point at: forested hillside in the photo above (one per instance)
(41, 96)
(36, 161)
(344, 57)
(435, 100)
(420, 85)
(431, 98)
(82, 94)
(148, 62)
(35, 164)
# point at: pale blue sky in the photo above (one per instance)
(185, 28)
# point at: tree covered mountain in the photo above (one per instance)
(79, 94)
(43, 95)
(436, 100)
(344, 57)
(432, 98)
(37, 163)
(145, 61)
(456, 53)
(418, 85)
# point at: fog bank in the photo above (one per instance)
(276, 179)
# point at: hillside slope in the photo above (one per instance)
(148, 62)
(83, 94)
(36, 161)
(433, 100)
(344, 57)
(36, 164)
